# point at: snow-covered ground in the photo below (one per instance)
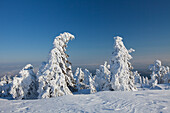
(155, 101)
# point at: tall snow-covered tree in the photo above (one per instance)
(158, 71)
(24, 85)
(55, 76)
(120, 67)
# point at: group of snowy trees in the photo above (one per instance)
(55, 77)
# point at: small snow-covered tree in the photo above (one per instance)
(86, 77)
(143, 79)
(121, 76)
(79, 78)
(55, 76)
(137, 78)
(147, 81)
(84, 80)
(5, 86)
(102, 77)
(158, 71)
(24, 85)
(166, 78)
(92, 85)
(153, 81)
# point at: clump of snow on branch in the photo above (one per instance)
(55, 76)
(24, 85)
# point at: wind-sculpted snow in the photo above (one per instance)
(155, 101)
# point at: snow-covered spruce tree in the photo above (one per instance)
(166, 78)
(153, 81)
(79, 78)
(24, 85)
(121, 76)
(143, 79)
(55, 76)
(5, 86)
(92, 85)
(137, 78)
(84, 80)
(158, 72)
(86, 76)
(102, 76)
(147, 81)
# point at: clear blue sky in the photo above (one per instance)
(28, 27)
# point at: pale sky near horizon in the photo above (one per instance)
(28, 28)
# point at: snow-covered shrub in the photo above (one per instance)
(121, 76)
(158, 72)
(55, 76)
(5, 86)
(102, 77)
(24, 85)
